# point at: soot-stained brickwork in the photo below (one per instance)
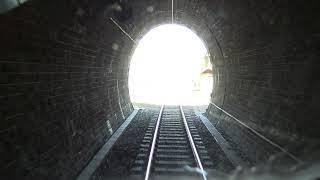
(268, 74)
(63, 92)
(64, 73)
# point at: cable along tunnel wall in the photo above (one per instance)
(65, 69)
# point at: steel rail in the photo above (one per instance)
(193, 146)
(154, 141)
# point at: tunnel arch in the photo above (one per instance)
(146, 41)
(202, 30)
(61, 72)
(218, 32)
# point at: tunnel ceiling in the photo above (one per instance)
(65, 71)
(257, 52)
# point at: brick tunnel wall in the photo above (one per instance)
(64, 69)
(264, 62)
(268, 73)
(63, 92)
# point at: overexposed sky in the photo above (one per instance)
(163, 65)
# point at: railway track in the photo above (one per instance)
(175, 143)
(171, 147)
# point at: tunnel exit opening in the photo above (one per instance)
(170, 66)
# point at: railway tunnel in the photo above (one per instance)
(65, 65)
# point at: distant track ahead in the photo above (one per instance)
(172, 147)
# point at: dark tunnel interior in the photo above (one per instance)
(63, 84)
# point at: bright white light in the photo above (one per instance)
(166, 65)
